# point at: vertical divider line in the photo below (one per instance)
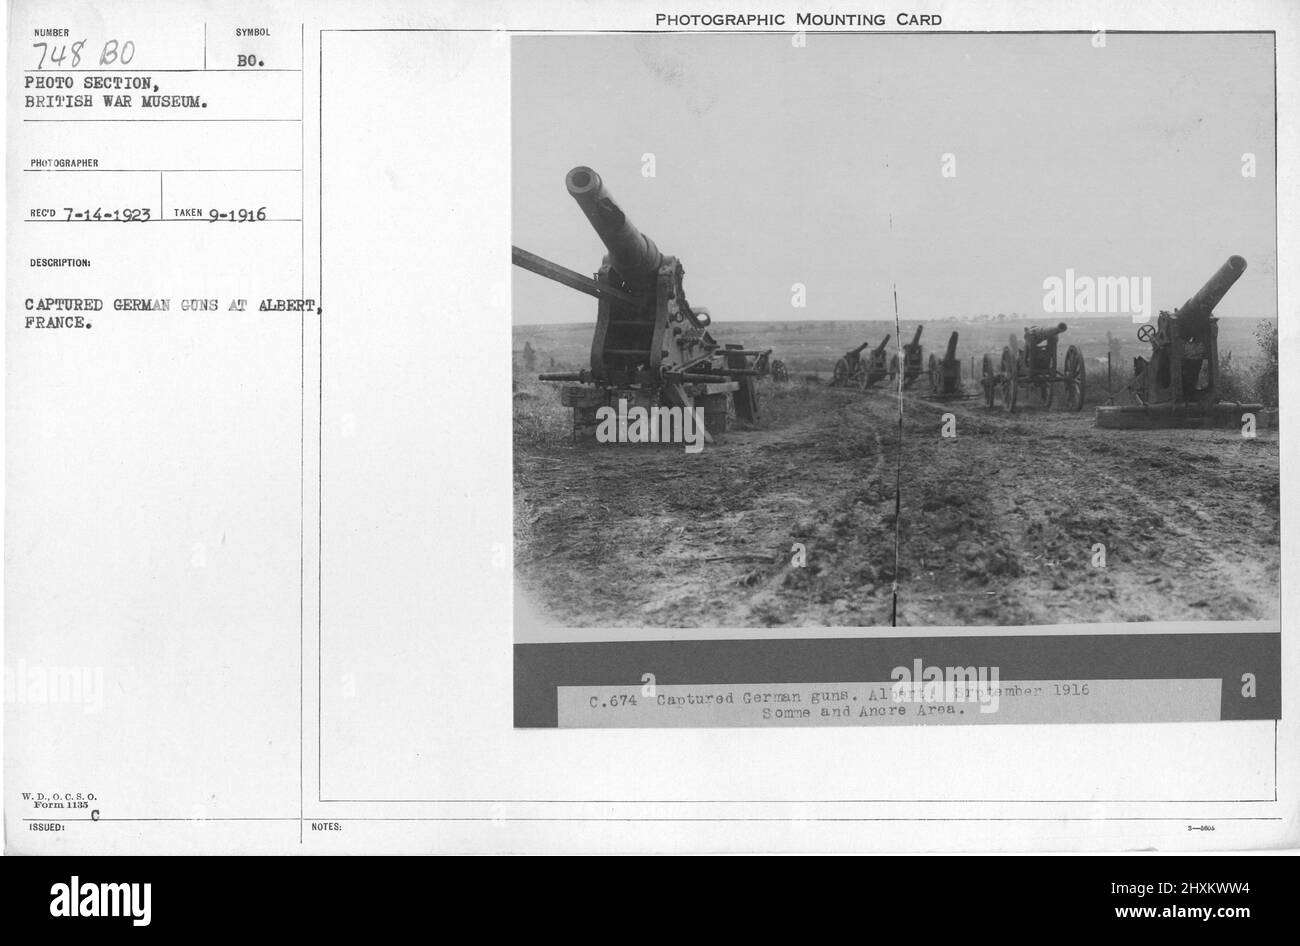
(900, 356)
(898, 467)
(302, 390)
(320, 402)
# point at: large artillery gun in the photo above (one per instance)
(945, 373)
(848, 368)
(913, 366)
(1033, 366)
(877, 366)
(651, 348)
(1177, 385)
(854, 370)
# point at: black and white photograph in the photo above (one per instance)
(982, 330)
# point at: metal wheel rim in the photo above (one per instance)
(1076, 378)
(1008, 380)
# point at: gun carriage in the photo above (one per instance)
(650, 347)
(766, 366)
(1034, 366)
(848, 368)
(859, 371)
(945, 373)
(1177, 383)
(913, 367)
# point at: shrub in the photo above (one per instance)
(1252, 379)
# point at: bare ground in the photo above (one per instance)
(999, 525)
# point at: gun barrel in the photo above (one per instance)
(857, 351)
(881, 347)
(1041, 333)
(950, 355)
(1212, 293)
(916, 339)
(631, 252)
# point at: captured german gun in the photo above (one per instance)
(1184, 349)
(912, 355)
(848, 369)
(766, 366)
(1035, 365)
(853, 370)
(651, 348)
(877, 367)
(945, 374)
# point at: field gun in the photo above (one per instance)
(848, 369)
(877, 367)
(945, 373)
(766, 366)
(912, 355)
(1167, 385)
(853, 370)
(650, 347)
(1034, 365)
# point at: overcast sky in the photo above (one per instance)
(778, 165)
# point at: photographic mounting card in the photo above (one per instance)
(755, 500)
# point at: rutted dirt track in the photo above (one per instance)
(998, 525)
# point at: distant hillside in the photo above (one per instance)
(815, 346)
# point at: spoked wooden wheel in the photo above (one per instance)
(987, 380)
(1009, 380)
(1076, 379)
(841, 375)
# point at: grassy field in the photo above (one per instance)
(811, 348)
(995, 526)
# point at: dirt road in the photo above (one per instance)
(1000, 525)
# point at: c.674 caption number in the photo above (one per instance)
(613, 701)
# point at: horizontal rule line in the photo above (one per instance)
(99, 820)
(163, 170)
(169, 220)
(195, 121)
(795, 801)
(245, 71)
(672, 30)
(490, 818)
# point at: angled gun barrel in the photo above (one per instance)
(1041, 333)
(950, 354)
(631, 253)
(1211, 294)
